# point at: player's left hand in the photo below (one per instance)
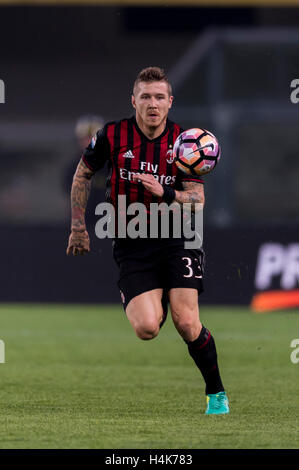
(150, 183)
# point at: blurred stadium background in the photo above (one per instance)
(231, 64)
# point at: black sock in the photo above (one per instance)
(203, 352)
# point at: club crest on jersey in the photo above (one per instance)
(129, 154)
(171, 157)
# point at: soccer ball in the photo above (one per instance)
(196, 151)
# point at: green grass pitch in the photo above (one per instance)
(77, 377)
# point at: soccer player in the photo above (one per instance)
(153, 271)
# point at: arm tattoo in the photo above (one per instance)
(79, 196)
(192, 193)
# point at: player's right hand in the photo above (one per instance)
(79, 243)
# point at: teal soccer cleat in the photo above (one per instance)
(217, 404)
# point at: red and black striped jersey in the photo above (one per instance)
(127, 150)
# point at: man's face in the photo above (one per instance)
(152, 102)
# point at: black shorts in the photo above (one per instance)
(147, 264)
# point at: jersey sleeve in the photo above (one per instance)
(184, 178)
(195, 178)
(98, 151)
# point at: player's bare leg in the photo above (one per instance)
(145, 313)
(201, 345)
(185, 312)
